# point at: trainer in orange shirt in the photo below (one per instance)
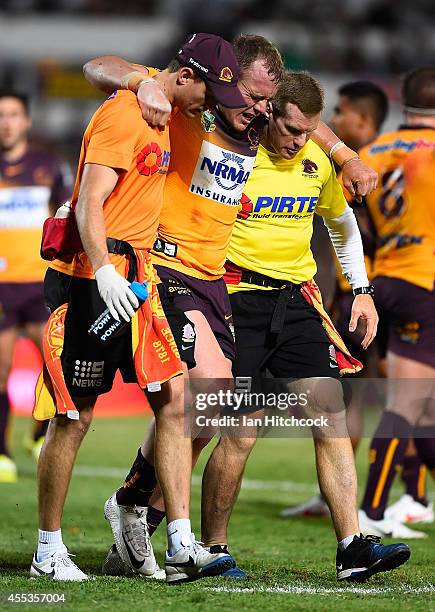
(117, 201)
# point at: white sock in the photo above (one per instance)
(179, 534)
(345, 543)
(48, 543)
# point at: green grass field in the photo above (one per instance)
(291, 562)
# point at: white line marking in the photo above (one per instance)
(291, 486)
(298, 590)
(254, 485)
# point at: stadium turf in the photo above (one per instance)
(291, 562)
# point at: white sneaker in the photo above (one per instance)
(316, 506)
(193, 561)
(130, 530)
(387, 527)
(407, 510)
(113, 565)
(58, 566)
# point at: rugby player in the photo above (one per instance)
(208, 171)
(32, 183)
(117, 201)
(357, 118)
(403, 218)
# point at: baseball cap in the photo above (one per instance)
(213, 59)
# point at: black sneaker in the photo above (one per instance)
(233, 572)
(366, 556)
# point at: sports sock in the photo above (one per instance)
(387, 451)
(4, 418)
(219, 548)
(425, 445)
(48, 543)
(40, 429)
(139, 483)
(154, 518)
(179, 534)
(343, 544)
(414, 478)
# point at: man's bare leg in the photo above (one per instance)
(338, 483)
(221, 484)
(173, 450)
(334, 454)
(54, 474)
(56, 462)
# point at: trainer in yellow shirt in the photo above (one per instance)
(270, 264)
(273, 232)
(279, 322)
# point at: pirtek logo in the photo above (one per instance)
(246, 209)
(287, 203)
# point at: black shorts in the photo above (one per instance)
(300, 350)
(406, 319)
(22, 303)
(89, 367)
(209, 297)
(343, 304)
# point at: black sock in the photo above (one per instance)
(425, 445)
(219, 548)
(387, 451)
(4, 419)
(154, 518)
(414, 478)
(139, 483)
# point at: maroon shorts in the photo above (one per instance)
(209, 297)
(406, 319)
(22, 303)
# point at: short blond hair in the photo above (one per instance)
(301, 89)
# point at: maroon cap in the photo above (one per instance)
(213, 59)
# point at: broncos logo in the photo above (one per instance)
(246, 209)
(309, 166)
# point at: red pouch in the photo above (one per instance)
(60, 238)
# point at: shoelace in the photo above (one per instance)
(139, 531)
(370, 538)
(65, 558)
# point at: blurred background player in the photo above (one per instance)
(32, 183)
(402, 210)
(357, 118)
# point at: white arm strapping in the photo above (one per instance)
(346, 239)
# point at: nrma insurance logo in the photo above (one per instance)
(221, 175)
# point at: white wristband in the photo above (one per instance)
(338, 145)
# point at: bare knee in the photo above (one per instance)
(76, 428)
(240, 447)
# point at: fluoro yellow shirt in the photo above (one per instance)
(272, 234)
